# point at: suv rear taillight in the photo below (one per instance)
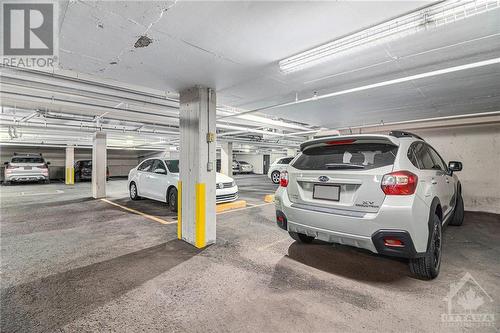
(284, 179)
(399, 183)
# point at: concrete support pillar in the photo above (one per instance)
(196, 188)
(70, 165)
(99, 165)
(226, 158)
(291, 151)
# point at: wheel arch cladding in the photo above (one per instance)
(434, 210)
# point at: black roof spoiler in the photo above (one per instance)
(403, 134)
(345, 138)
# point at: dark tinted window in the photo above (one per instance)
(411, 156)
(27, 160)
(173, 165)
(145, 166)
(158, 164)
(438, 161)
(423, 156)
(243, 162)
(285, 160)
(86, 164)
(353, 157)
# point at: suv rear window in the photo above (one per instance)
(27, 160)
(361, 156)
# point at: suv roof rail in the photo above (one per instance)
(28, 154)
(402, 134)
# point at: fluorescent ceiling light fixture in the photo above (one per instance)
(431, 16)
(479, 64)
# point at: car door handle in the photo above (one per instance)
(433, 181)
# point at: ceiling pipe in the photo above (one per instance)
(92, 83)
(427, 120)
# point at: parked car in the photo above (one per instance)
(245, 167)
(26, 167)
(83, 170)
(390, 194)
(236, 167)
(157, 179)
(275, 169)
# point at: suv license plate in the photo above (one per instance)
(27, 168)
(326, 192)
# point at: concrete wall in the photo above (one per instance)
(478, 148)
(119, 161)
(257, 160)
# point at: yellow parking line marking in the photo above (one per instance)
(151, 217)
(269, 198)
(219, 208)
(248, 207)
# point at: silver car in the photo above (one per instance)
(245, 167)
(26, 167)
(390, 194)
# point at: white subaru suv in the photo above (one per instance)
(390, 194)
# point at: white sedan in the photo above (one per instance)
(157, 179)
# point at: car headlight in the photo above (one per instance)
(218, 185)
(233, 184)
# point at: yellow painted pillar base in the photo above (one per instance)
(200, 238)
(70, 176)
(179, 209)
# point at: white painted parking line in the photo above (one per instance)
(265, 247)
(42, 193)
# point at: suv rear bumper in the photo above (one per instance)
(25, 178)
(363, 230)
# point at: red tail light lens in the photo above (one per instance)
(9, 167)
(393, 242)
(340, 142)
(45, 166)
(284, 179)
(399, 183)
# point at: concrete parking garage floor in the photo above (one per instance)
(71, 263)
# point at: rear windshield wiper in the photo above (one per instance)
(343, 166)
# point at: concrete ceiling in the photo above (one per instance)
(235, 48)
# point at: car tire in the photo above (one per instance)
(427, 267)
(301, 238)
(7, 183)
(133, 192)
(275, 177)
(172, 199)
(47, 181)
(458, 215)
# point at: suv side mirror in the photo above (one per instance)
(6, 163)
(161, 171)
(454, 166)
(48, 163)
